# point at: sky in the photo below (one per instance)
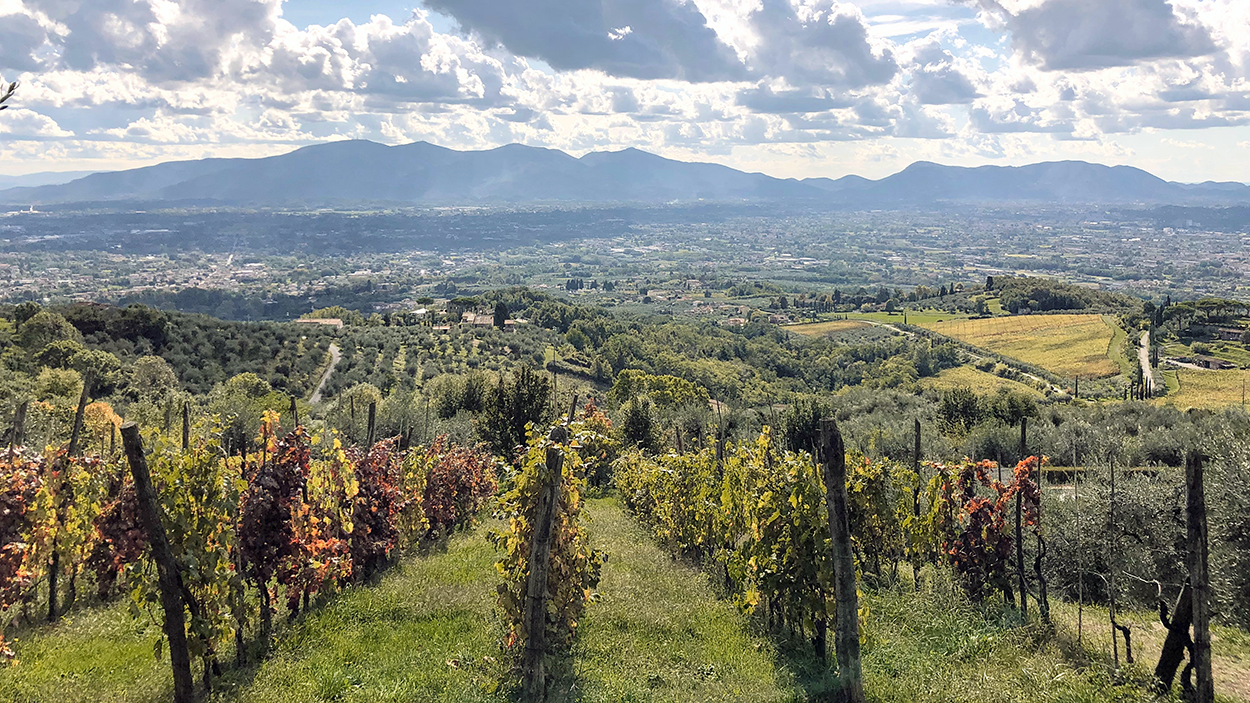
(792, 88)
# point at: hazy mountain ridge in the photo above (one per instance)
(424, 174)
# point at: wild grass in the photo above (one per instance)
(820, 329)
(970, 377)
(1068, 345)
(1205, 389)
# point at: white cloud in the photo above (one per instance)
(28, 124)
(155, 79)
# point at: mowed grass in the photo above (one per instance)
(820, 329)
(660, 634)
(1205, 389)
(1068, 345)
(981, 381)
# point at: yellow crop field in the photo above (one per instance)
(819, 329)
(1068, 345)
(980, 381)
(1207, 389)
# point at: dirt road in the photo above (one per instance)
(335, 357)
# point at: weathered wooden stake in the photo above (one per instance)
(18, 436)
(294, 414)
(373, 415)
(166, 568)
(186, 425)
(533, 665)
(846, 616)
(76, 432)
(1024, 584)
(1196, 520)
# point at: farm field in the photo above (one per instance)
(914, 317)
(820, 329)
(969, 377)
(1205, 389)
(1068, 345)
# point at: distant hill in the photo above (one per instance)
(43, 178)
(359, 172)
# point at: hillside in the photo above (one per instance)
(355, 172)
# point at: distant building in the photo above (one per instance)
(733, 322)
(1230, 335)
(328, 322)
(1211, 362)
(778, 319)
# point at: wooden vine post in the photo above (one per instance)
(1196, 521)
(186, 425)
(170, 580)
(373, 415)
(534, 664)
(76, 432)
(846, 615)
(17, 437)
(1024, 584)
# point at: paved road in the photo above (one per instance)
(335, 357)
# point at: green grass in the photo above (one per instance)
(914, 317)
(981, 381)
(660, 634)
(828, 327)
(1120, 349)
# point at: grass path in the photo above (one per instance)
(660, 634)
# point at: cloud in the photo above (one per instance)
(21, 38)
(764, 99)
(646, 39)
(1081, 35)
(937, 80)
(818, 42)
(27, 124)
(159, 39)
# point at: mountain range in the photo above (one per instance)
(363, 172)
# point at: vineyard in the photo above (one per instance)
(488, 533)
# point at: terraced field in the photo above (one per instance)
(1068, 345)
(820, 329)
(968, 377)
(1206, 389)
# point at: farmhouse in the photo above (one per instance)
(1211, 362)
(1230, 335)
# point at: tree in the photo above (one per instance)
(44, 328)
(24, 311)
(516, 403)
(152, 377)
(638, 423)
(501, 314)
(6, 93)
